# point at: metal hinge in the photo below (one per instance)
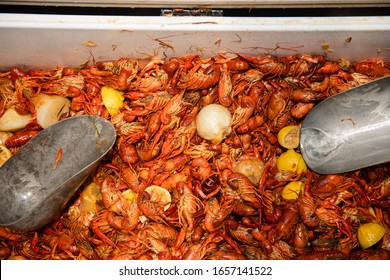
(191, 12)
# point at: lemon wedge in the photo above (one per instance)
(130, 195)
(291, 161)
(5, 154)
(369, 234)
(112, 100)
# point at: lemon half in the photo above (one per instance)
(288, 137)
(369, 234)
(292, 190)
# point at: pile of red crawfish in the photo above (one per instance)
(201, 207)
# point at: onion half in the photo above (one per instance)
(13, 121)
(49, 108)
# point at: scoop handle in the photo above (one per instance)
(349, 131)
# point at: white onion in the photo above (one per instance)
(213, 123)
(13, 121)
(252, 168)
(49, 108)
(4, 136)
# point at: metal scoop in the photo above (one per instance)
(349, 131)
(39, 179)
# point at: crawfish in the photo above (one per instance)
(237, 65)
(321, 87)
(324, 255)
(127, 70)
(64, 241)
(225, 255)
(188, 206)
(197, 234)
(243, 209)
(175, 163)
(154, 101)
(96, 108)
(244, 187)
(12, 235)
(5, 252)
(253, 253)
(20, 138)
(306, 95)
(173, 145)
(372, 67)
(122, 224)
(243, 112)
(300, 110)
(245, 79)
(112, 198)
(262, 237)
(101, 227)
(68, 86)
(216, 213)
(170, 182)
(287, 222)
(277, 103)
(333, 218)
(148, 151)
(326, 185)
(242, 234)
(151, 208)
(198, 80)
(225, 88)
(16, 73)
(131, 178)
(171, 66)
(159, 248)
(269, 66)
(152, 77)
(251, 124)
(370, 254)
(127, 152)
(201, 168)
(328, 68)
(197, 251)
(154, 123)
(161, 232)
(301, 238)
(306, 209)
(172, 108)
(306, 65)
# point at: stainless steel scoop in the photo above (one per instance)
(350, 130)
(37, 181)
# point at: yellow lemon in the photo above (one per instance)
(89, 198)
(5, 154)
(288, 137)
(292, 190)
(159, 195)
(130, 195)
(112, 100)
(369, 234)
(291, 161)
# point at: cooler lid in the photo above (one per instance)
(251, 4)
